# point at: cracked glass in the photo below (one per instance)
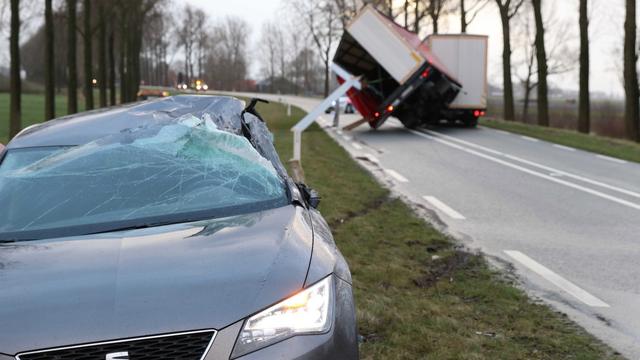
(182, 169)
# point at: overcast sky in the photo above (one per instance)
(606, 34)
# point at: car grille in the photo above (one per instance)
(182, 346)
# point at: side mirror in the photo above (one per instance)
(314, 199)
(311, 197)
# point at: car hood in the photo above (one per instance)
(203, 275)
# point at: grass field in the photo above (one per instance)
(621, 149)
(418, 295)
(32, 111)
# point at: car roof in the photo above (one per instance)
(85, 127)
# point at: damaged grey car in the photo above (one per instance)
(165, 230)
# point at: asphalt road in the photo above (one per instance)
(567, 220)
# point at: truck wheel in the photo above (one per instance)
(470, 121)
(409, 120)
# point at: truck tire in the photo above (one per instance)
(470, 121)
(409, 119)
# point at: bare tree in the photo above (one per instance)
(435, 9)
(469, 10)
(347, 10)
(541, 56)
(49, 63)
(102, 53)
(322, 21)
(87, 34)
(508, 9)
(561, 57)
(632, 110)
(187, 36)
(72, 68)
(15, 82)
(584, 104)
(269, 49)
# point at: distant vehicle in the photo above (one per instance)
(420, 82)
(200, 85)
(345, 105)
(145, 94)
(165, 230)
(182, 86)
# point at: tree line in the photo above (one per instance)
(149, 42)
(112, 30)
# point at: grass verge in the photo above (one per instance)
(418, 295)
(618, 148)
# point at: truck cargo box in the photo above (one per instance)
(465, 57)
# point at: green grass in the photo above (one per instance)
(32, 111)
(621, 149)
(410, 304)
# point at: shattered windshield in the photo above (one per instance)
(184, 170)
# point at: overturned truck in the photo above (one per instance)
(443, 78)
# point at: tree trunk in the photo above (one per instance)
(584, 107)
(102, 56)
(509, 106)
(630, 74)
(112, 67)
(15, 82)
(416, 17)
(406, 14)
(327, 73)
(541, 56)
(463, 17)
(72, 96)
(49, 64)
(88, 61)
(123, 57)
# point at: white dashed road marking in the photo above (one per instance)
(394, 174)
(529, 138)
(563, 147)
(612, 159)
(556, 279)
(444, 208)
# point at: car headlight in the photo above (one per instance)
(308, 312)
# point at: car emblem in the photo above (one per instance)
(124, 355)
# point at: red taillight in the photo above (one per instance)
(476, 113)
(425, 74)
(482, 113)
(377, 114)
(390, 108)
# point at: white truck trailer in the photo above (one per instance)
(406, 77)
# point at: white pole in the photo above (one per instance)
(288, 109)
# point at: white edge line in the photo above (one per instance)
(563, 147)
(396, 175)
(436, 137)
(528, 138)
(612, 159)
(444, 208)
(356, 146)
(556, 279)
